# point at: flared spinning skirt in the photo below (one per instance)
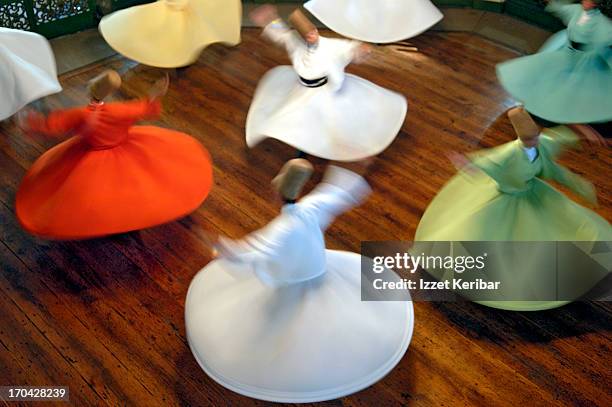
(159, 35)
(561, 84)
(380, 21)
(358, 121)
(27, 70)
(304, 342)
(73, 191)
(471, 208)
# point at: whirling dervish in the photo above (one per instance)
(279, 317)
(110, 176)
(172, 33)
(314, 106)
(570, 79)
(27, 70)
(502, 195)
(380, 21)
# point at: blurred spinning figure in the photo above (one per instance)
(27, 70)
(570, 79)
(278, 317)
(502, 196)
(379, 21)
(110, 176)
(314, 106)
(172, 33)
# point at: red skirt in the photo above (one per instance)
(74, 192)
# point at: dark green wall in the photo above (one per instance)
(58, 17)
(53, 18)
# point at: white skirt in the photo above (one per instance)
(377, 21)
(172, 33)
(27, 70)
(358, 121)
(304, 342)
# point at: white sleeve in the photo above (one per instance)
(261, 244)
(345, 50)
(339, 191)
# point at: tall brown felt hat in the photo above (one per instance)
(104, 84)
(301, 23)
(292, 178)
(523, 124)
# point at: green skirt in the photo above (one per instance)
(561, 84)
(471, 208)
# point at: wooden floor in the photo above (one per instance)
(105, 316)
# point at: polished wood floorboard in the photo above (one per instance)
(105, 316)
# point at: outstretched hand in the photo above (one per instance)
(594, 137)
(225, 247)
(28, 120)
(21, 119)
(362, 53)
(591, 135)
(264, 15)
(460, 161)
(25, 117)
(159, 88)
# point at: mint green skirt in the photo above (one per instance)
(561, 84)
